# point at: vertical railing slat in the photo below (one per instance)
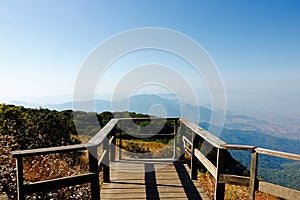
(113, 146)
(194, 159)
(106, 169)
(220, 187)
(175, 138)
(181, 143)
(253, 172)
(20, 178)
(120, 147)
(93, 164)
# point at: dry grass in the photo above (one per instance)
(232, 192)
(141, 149)
(39, 168)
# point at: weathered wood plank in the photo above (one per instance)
(101, 160)
(104, 132)
(149, 119)
(144, 195)
(149, 136)
(113, 145)
(215, 141)
(278, 154)
(105, 161)
(137, 176)
(44, 151)
(57, 183)
(253, 172)
(194, 159)
(220, 187)
(181, 142)
(93, 168)
(207, 164)
(278, 191)
(234, 179)
(185, 139)
(149, 160)
(239, 147)
(166, 182)
(20, 178)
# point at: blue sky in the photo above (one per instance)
(255, 45)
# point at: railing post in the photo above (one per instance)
(113, 146)
(194, 159)
(106, 169)
(175, 126)
(181, 143)
(93, 164)
(20, 179)
(175, 138)
(120, 147)
(220, 187)
(253, 172)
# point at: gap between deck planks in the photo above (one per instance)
(151, 180)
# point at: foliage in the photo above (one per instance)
(36, 128)
(22, 128)
(87, 123)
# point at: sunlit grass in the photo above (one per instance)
(232, 192)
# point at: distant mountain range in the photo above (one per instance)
(170, 107)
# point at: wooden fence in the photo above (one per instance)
(218, 171)
(182, 144)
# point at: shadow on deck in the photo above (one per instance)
(151, 180)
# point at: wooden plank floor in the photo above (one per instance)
(155, 180)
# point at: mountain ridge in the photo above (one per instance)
(168, 107)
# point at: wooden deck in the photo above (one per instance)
(151, 180)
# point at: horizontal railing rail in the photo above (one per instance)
(217, 171)
(51, 150)
(92, 177)
(140, 136)
(182, 143)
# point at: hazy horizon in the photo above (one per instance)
(254, 45)
(260, 111)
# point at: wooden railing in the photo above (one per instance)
(182, 144)
(218, 171)
(94, 164)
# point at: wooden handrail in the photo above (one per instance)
(148, 118)
(234, 179)
(207, 164)
(92, 177)
(108, 131)
(103, 133)
(278, 190)
(207, 136)
(50, 150)
(280, 154)
(53, 184)
(252, 182)
(239, 147)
